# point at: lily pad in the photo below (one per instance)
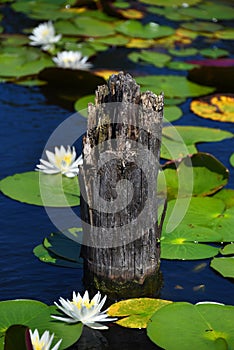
(227, 195)
(44, 255)
(170, 2)
(208, 176)
(209, 10)
(174, 326)
(202, 211)
(200, 26)
(42, 189)
(43, 10)
(216, 107)
(157, 59)
(184, 243)
(85, 26)
(225, 266)
(150, 30)
(180, 65)
(180, 141)
(136, 312)
(232, 159)
(81, 105)
(168, 12)
(63, 247)
(173, 86)
(228, 249)
(35, 314)
(226, 34)
(214, 53)
(172, 113)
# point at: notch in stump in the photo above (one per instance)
(118, 181)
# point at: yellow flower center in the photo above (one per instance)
(45, 32)
(37, 345)
(81, 303)
(64, 161)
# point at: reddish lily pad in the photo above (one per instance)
(216, 107)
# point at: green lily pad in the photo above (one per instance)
(202, 211)
(157, 59)
(214, 53)
(180, 141)
(85, 26)
(181, 65)
(180, 326)
(232, 159)
(208, 176)
(200, 26)
(43, 10)
(168, 12)
(42, 189)
(225, 266)
(151, 30)
(172, 113)
(209, 10)
(116, 40)
(228, 249)
(170, 2)
(173, 86)
(81, 105)
(183, 244)
(226, 34)
(35, 314)
(173, 101)
(227, 195)
(44, 255)
(63, 247)
(13, 40)
(21, 62)
(136, 312)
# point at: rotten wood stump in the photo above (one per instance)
(118, 179)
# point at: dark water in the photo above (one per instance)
(27, 120)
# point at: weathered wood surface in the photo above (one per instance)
(119, 205)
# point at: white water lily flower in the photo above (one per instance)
(61, 161)
(43, 343)
(44, 36)
(83, 310)
(72, 60)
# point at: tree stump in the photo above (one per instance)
(118, 180)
